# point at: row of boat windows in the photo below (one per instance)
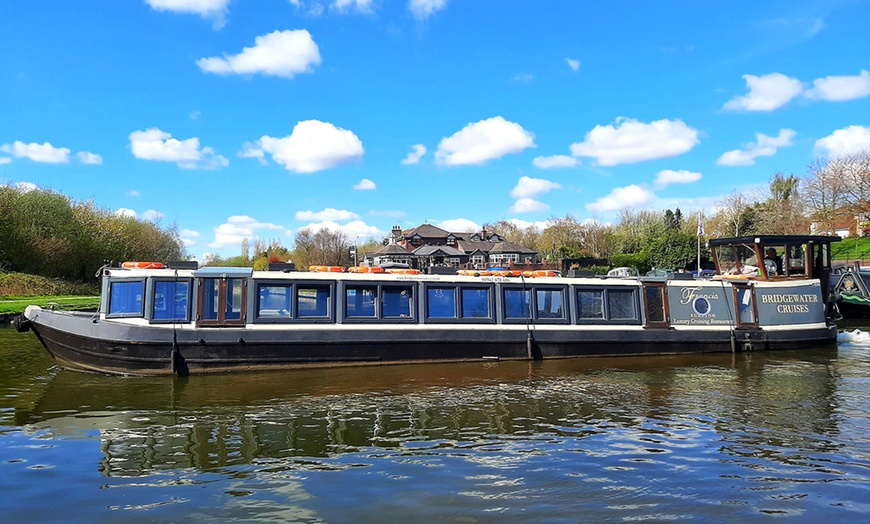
(225, 300)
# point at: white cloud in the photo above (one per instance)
(42, 153)
(313, 146)
(766, 93)
(528, 205)
(573, 64)
(480, 142)
(328, 214)
(355, 229)
(154, 144)
(124, 212)
(5, 160)
(763, 146)
(554, 162)
(208, 9)
(365, 185)
(86, 157)
(188, 237)
(414, 156)
(669, 176)
(238, 228)
(528, 187)
(280, 53)
(152, 216)
(846, 141)
(133, 193)
(423, 9)
(360, 6)
(630, 141)
(522, 224)
(840, 88)
(622, 197)
(458, 225)
(523, 77)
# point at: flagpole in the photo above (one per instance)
(700, 232)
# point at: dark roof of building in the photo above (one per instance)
(431, 250)
(426, 231)
(390, 249)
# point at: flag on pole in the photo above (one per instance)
(700, 225)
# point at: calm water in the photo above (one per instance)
(766, 436)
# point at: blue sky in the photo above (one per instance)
(254, 119)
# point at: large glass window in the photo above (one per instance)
(171, 301)
(127, 298)
(548, 303)
(312, 301)
(441, 302)
(275, 301)
(210, 289)
(621, 304)
(396, 302)
(590, 304)
(475, 303)
(360, 301)
(516, 303)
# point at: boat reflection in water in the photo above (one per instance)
(308, 419)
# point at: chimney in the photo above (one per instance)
(483, 233)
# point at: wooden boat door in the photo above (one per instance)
(655, 302)
(745, 305)
(221, 301)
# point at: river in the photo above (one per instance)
(710, 438)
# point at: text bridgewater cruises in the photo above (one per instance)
(769, 292)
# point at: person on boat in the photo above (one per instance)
(770, 255)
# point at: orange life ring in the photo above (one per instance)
(544, 273)
(142, 265)
(365, 269)
(401, 271)
(326, 269)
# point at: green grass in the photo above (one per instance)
(16, 305)
(851, 248)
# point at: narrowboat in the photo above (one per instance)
(769, 292)
(852, 293)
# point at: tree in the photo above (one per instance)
(782, 213)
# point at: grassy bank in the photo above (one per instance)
(18, 290)
(851, 248)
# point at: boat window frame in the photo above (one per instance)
(534, 318)
(607, 317)
(736, 287)
(666, 310)
(458, 302)
(153, 295)
(221, 320)
(128, 280)
(379, 317)
(294, 286)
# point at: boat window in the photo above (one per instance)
(607, 304)
(621, 304)
(475, 302)
(516, 303)
(396, 301)
(745, 306)
(275, 301)
(590, 303)
(548, 303)
(171, 301)
(656, 305)
(797, 261)
(441, 302)
(312, 301)
(360, 301)
(221, 301)
(126, 298)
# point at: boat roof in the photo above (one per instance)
(775, 239)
